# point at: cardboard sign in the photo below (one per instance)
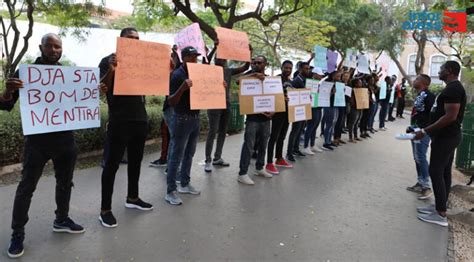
(348, 91)
(363, 64)
(233, 45)
(257, 96)
(383, 90)
(320, 60)
(340, 97)
(362, 98)
(190, 36)
(332, 61)
(324, 97)
(208, 90)
(300, 107)
(59, 98)
(143, 68)
(313, 85)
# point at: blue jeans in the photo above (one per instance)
(373, 111)
(383, 113)
(422, 167)
(184, 137)
(310, 133)
(259, 131)
(328, 119)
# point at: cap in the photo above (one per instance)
(317, 70)
(189, 50)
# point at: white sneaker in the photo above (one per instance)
(263, 173)
(245, 179)
(208, 167)
(316, 149)
(307, 151)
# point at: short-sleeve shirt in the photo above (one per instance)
(453, 93)
(183, 107)
(421, 108)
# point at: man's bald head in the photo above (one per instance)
(51, 48)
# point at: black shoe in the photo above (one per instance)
(391, 119)
(415, 188)
(108, 219)
(16, 250)
(290, 158)
(158, 163)
(67, 226)
(333, 145)
(299, 154)
(139, 204)
(328, 147)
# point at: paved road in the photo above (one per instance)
(347, 205)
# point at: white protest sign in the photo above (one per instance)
(305, 97)
(249, 87)
(348, 91)
(293, 98)
(264, 104)
(300, 113)
(324, 98)
(363, 64)
(59, 98)
(272, 85)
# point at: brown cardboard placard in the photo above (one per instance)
(299, 104)
(362, 97)
(254, 100)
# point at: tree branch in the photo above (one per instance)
(29, 15)
(215, 9)
(186, 10)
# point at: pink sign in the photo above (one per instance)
(332, 60)
(190, 36)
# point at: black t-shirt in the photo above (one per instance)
(123, 108)
(453, 93)
(184, 105)
(423, 103)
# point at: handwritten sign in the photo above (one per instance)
(299, 106)
(348, 91)
(256, 96)
(324, 98)
(313, 85)
(362, 98)
(143, 68)
(351, 58)
(233, 45)
(59, 98)
(363, 64)
(190, 36)
(208, 90)
(383, 90)
(332, 61)
(320, 57)
(340, 97)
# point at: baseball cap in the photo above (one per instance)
(317, 70)
(189, 50)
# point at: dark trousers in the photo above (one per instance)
(256, 135)
(121, 135)
(218, 120)
(441, 160)
(310, 132)
(383, 112)
(165, 140)
(400, 106)
(63, 155)
(341, 116)
(354, 119)
(390, 109)
(294, 139)
(278, 133)
(364, 120)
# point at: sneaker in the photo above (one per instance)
(263, 173)
(327, 147)
(434, 218)
(342, 141)
(245, 179)
(298, 153)
(189, 189)
(67, 226)
(383, 129)
(220, 162)
(16, 250)
(139, 204)
(208, 167)
(270, 168)
(333, 145)
(158, 163)
(307, 151)
(416, 188)
(426, 209)
(173, 198)
(291, 158)
(425, 194)
(108, 219)
(282, 163)
(316, 149)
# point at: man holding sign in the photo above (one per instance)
(60, 147)
(127, 129)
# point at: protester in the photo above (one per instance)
(364, 120)
(355, 114)
(341, 114)
(279, 126)
(374, 106)
(420, 119)
(312, 125)
(296, 127)
(257, 132)
(184, 130)
(60, 147)
(127, 129)
(384, 104)
(445, 132)
(330, 114)
(392, 105)
(401, 93)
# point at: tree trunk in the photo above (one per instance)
(420, 53)
(400, 67)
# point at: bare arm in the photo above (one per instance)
(450, 116)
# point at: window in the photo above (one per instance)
(436, 62)
(411, 65)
